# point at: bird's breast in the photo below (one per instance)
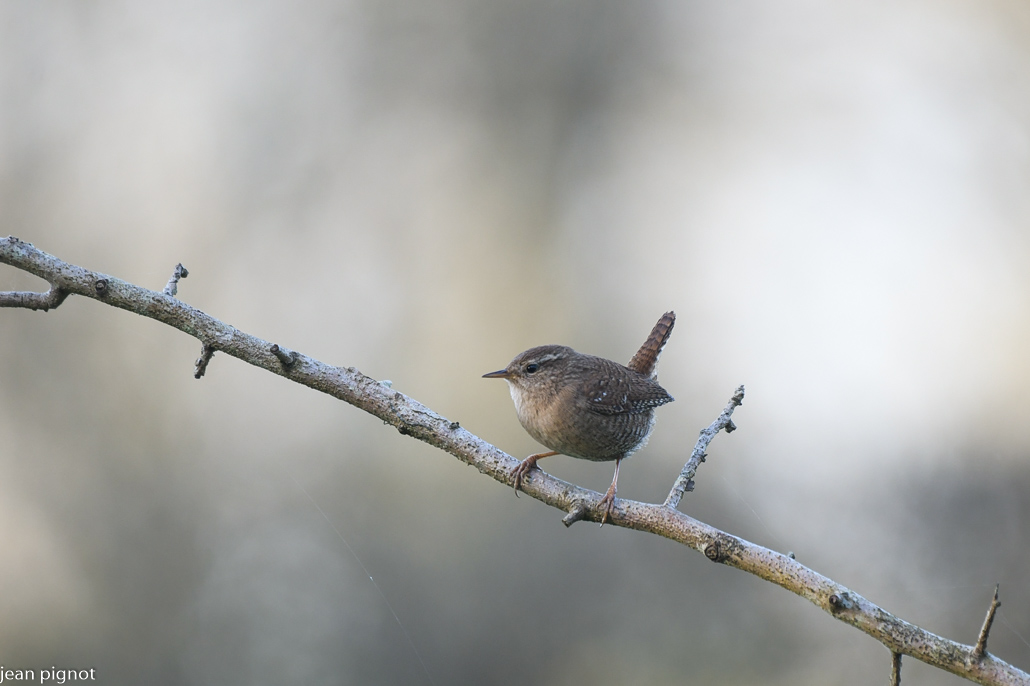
(538, 415)
(560, 422)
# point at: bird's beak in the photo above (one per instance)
(499, 374)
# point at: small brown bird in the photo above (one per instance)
(585, 406)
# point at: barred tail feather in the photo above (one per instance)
(646, 359)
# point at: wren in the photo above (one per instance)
(585, 406)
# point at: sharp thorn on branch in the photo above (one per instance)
(980, 649)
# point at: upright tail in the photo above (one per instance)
(646, 359)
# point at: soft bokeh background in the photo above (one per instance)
(833, 197)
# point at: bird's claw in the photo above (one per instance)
(519, 473)
(607, 505)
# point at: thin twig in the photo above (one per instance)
(172, 287)
(980, 649)
(206, 353)
(32, 300)
(895, 669)
(412, 418)
(685, 481)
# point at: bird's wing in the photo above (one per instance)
(622, 391)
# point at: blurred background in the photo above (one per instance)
(832, 197)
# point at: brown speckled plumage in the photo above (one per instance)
(646, 359)
(586, 406)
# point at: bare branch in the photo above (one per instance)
(685, 481)
(980, 650)
(412, 418)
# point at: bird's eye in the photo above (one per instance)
(532, 367)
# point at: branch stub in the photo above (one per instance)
(713, 551)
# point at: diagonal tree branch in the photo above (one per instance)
(412, 418)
